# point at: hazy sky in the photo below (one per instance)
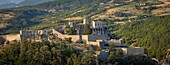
(10, 1)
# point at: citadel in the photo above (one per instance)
(91, 33)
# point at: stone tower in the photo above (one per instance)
(86, 21)
(79, 29)
(97, 24)
(71, 24)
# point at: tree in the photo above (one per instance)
(2, 40)
(86, 30)
(71, 31)
(111, 46)
(68, 40)
(152, 34)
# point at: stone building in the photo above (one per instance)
(12, 37)
(98, 28)
(71, 24)
(36, 34)
(122, 47)
(30, 34)
(133, 51)
(97, 24)
(86, 21)
(97, 32)
(103, 55)
(79, 28)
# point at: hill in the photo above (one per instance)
(62, 53)
(59, 12)
(40, 15)
(9, 5)
(32, 2)
(23, 3)
(152, 34)
(63, 5)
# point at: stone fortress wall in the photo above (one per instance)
(12, 37)
(133, 51)
(89, 39)
(98, 37)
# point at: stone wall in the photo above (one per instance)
(85, 38)
(133, 51)
(97, 37)
(97, 42)
(12, 37)
(74, 37)
(89, 39)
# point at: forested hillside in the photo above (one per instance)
(63, 53)
(21, 20)
(25, 17)
(59, 12)
(136, 22)
(64, 4)
(152, 34)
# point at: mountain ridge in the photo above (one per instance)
(23, 3)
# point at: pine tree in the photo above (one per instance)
(86, 30)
